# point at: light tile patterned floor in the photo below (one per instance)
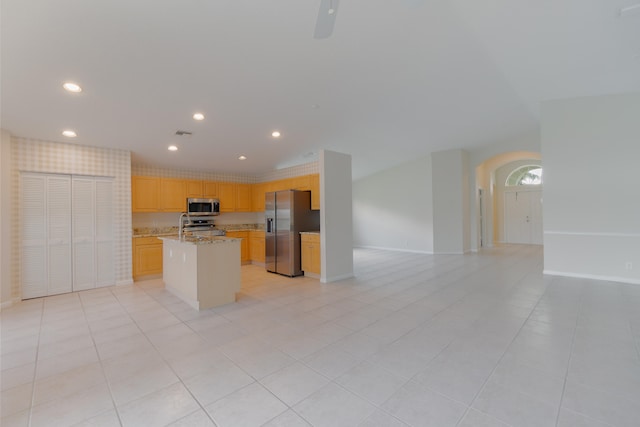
(475, 340)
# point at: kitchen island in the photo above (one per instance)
(202, 271)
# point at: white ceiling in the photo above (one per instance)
(396, 80)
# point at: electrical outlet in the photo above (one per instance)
(628, 265)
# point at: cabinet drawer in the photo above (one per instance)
(311, 238)
(137, 241)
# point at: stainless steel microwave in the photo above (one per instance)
(203, 206)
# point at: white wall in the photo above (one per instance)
(451, 212)
(336, 230)
(393, 209)
(5, 218)
(591, 151)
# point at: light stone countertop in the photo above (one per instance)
(173, 231)
(310, 232)
(200, 240)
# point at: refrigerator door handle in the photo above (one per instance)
(269, 225)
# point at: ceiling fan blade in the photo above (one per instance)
(326, 19)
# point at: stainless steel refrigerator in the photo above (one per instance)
(287, 213)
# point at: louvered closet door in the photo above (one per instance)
(33, 217)
(104, 232)
(83, 234)
(58, 198)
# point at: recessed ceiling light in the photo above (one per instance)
(198, 116)
(72, 87)
(69, 133)
(275, 134)
(242, 158)
(172, 148)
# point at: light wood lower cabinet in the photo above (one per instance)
(256, 246)
(244, 247)
(310, 253)
(147, 256)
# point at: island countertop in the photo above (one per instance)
(200, 240)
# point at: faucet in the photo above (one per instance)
(181, 225)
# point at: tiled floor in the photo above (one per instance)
(474, 340)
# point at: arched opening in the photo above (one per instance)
(521, 168)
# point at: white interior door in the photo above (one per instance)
(83, 234)
(523, 216)
(59, 230)
(104, 232)
(67, 231)
(33, 217)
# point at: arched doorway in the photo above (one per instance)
(521, 198)
(491, 187)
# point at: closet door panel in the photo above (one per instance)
(33, 264)
(104, 232)
(59, 234)
(83, 234)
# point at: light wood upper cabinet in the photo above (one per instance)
(153, 194)
(257, 197)
(243, 197)
(315, 191)
(302, 183)
(194, 188)
(227, 196)
(145, 194)
(173, 195)
(210, 189)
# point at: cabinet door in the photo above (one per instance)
(149, 259)
(256, 246)
(306, 254)
(194, 188)
(210, 189)
(302, 183)
(315, 258)
(257, 198)
(145, 194)
(244, 245)
(315, 191)
(243, 197)
(227, 196)
(173, 195)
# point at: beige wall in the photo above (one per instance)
(5, 218)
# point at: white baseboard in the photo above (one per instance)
(124, 282)
(592, 277)
(383, 248)
(183, 297)
(336, 278)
